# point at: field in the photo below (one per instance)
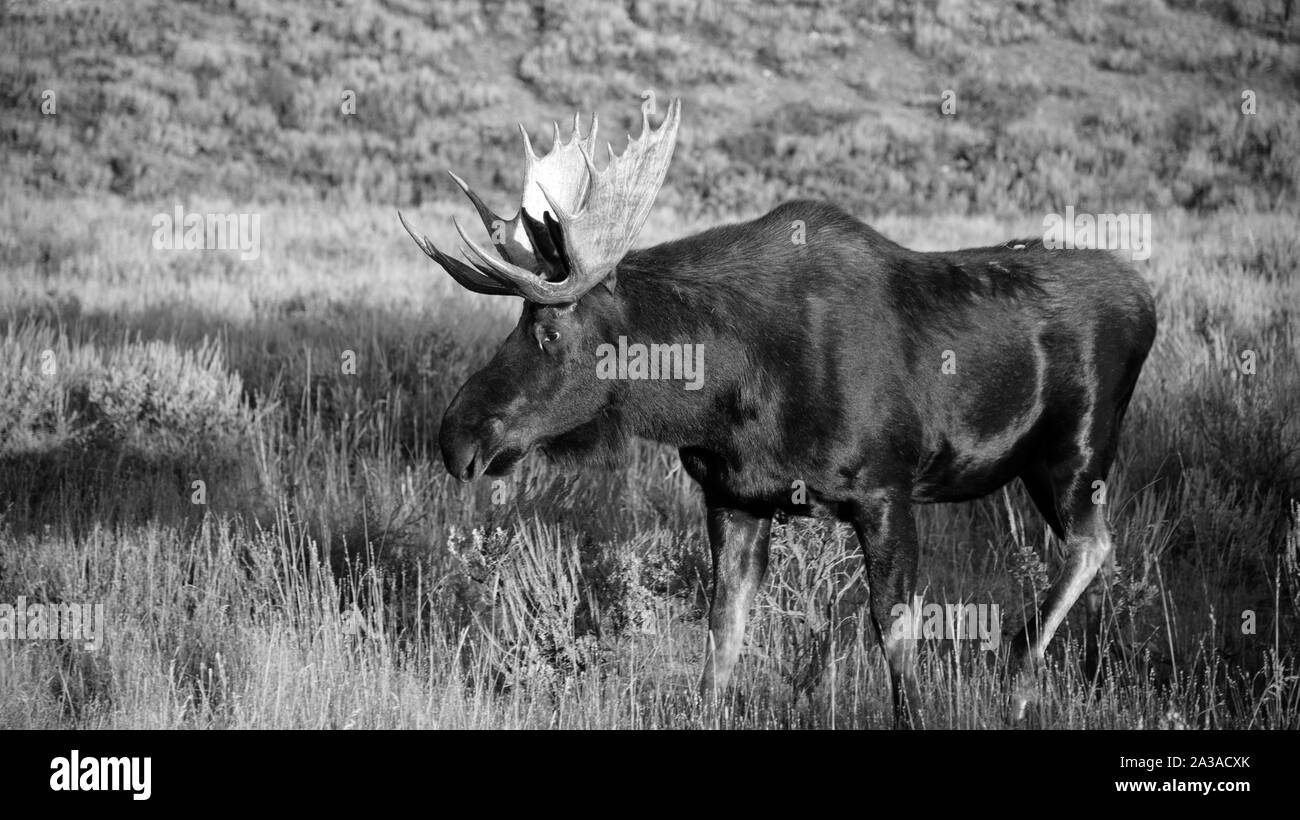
(270, 530)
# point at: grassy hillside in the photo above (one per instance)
(333, 575)
(1106, 105)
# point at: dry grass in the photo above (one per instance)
(337, 577)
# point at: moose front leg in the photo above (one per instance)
(885, 527)
(738, 540)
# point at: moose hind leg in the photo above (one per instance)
(738, 540)
(1094, 598)
(1089, 555)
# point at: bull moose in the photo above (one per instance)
(878, 376)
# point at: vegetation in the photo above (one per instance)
(1107, 105)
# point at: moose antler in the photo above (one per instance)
(589, 217)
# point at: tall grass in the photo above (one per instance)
(336, 577)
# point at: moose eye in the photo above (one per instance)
(543, 335)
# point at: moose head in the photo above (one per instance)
(561, 253)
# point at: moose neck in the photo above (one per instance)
(681, 340)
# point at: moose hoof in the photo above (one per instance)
(1024, 694)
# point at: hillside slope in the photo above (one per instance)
(1103, 105)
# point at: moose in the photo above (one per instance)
(875, 376)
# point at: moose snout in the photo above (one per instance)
(460, 452)
(459, 445)
(469, 440)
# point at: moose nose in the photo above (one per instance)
(460, 453)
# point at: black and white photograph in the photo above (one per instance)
(650, 365)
